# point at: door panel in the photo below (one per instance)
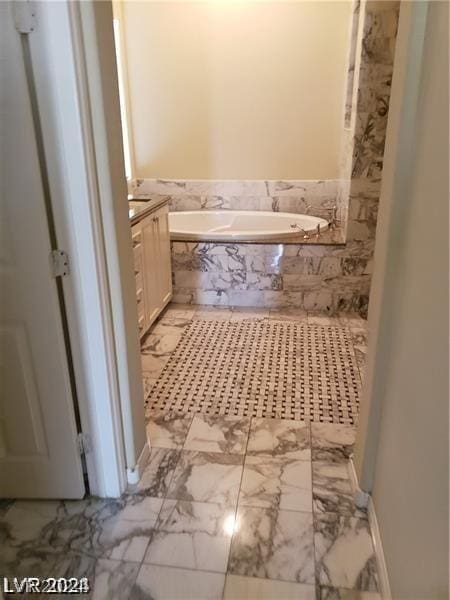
(165, 269)
(151, 266)
(39, 455)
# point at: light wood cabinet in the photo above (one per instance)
(153, 273)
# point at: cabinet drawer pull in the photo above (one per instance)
(155, 219)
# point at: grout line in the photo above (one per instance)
(237, 500)
(316, 585)
(164, 498)
(152, 564)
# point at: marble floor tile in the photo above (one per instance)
(153, 365)
(157, 347)
(74, 563)
(328, 593)
(108, 579)
(273, 544)
(118, 529)
(278, 437)
(321, 319)
(344, 553)
(252, 588)
(353, 320)
(175, 323)
(148, 383)
(168, 330)
(332, 442)
(212, 313)
(167, 430)
(359, 338)
(177, 315)
(211, 433)
(193, 535)
(254, 314)
(277, 483)
(168, 583)
(157, 473)
(162, 340)
(33, 535)
(207, 477)
(332, 490)
(113, 580)
(288, 314)
(179, 311)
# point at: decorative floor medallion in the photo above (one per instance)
(261, 368)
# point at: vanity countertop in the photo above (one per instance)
(140, 208)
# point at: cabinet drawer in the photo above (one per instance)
(139, 286)
(136, 237)
(140, 303)
(141, 326)
(137, 254)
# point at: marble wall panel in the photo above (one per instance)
(317, 198)
(270, 275)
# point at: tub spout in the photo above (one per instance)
(333, 221)
(299, 228)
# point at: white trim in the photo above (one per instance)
(383, 579)
(364, 500)
(104, 113)
(118, 13)
(123, 101)
(360, 497)
(58, 57)
(135, 473)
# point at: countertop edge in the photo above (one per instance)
(154, 205)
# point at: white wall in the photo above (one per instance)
(402, 448)
(236, 90)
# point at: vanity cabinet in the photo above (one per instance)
(152, 267)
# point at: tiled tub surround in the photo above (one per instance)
(343, 286)
(225, 509)
(312, 277)
(317, 198)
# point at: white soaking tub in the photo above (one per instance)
(243, 225)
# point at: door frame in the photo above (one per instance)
(105, 345)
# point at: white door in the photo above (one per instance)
(39, 456)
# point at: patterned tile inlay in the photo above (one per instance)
(262, 368)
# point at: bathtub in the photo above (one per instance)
(243, 225)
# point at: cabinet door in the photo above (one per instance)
(164, 261)
(136, 234)
(150, 263)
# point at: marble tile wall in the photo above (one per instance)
(318, 198)
(323, 277)
(364, 141)
(354, 28)
(316, 277)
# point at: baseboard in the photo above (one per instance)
(385, 588)
(360, 497)
(135, 473)
(364, 500)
